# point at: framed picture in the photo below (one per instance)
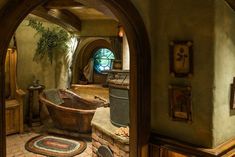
(232, 95)
(181, 58)
(180, 103)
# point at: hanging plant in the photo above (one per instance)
(53, 41)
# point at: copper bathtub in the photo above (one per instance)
(74, 114)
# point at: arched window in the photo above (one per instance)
(103, 59)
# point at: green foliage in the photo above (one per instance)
(52, 41)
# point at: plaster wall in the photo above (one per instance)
(223, 117)
(27, 69)
(144, 7)
(210, 24)
(53, 75)
(182, 20)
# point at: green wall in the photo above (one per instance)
(182, 20)
(27, 69)
(223, 118)
(210, 24)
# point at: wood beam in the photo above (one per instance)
(98, 5)
(63, 18)
(63, 4)
(231, 3)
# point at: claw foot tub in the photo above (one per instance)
(69, 111)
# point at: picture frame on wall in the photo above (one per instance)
(180, 103)
(181, 58)
(232, 95)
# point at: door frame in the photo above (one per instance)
(14, 11)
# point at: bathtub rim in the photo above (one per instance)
(46, 102)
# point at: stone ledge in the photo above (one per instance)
(101, 121)
(118, 149)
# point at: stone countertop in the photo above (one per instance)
(101, 120)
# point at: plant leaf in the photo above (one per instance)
(52, 41)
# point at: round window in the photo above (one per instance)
(103, 60)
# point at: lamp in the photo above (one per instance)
(120, 31)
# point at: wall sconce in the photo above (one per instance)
(120, 31)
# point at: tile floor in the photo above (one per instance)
(16, 142)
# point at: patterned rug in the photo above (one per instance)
(55, 146)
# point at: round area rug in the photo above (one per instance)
(55, 146)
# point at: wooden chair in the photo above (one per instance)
(14, 96)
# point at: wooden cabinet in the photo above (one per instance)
(161, 146)
(14, 97)
(14, 117)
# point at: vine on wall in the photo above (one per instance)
(53, 41)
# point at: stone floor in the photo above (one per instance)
(16, 142)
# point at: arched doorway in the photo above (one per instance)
(13, 12)
(85, 53)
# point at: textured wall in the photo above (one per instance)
(210, 24)
(182, 20)
(51, 76)
(144, 8)
(223, 118)
(27, 69)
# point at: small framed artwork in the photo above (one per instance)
(180, 103)
(181, 58)
(232, 95)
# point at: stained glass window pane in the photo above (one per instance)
(103, 59)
